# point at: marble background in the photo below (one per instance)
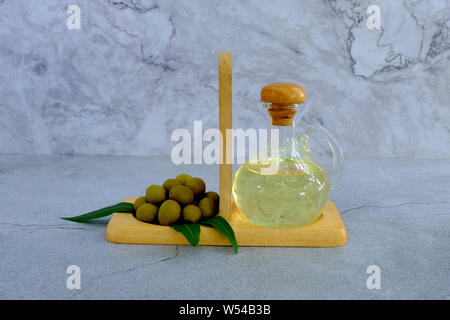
(138, 69)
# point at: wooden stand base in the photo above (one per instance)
(327, 231)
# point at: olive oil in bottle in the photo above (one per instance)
(289, 188)
(294, 196)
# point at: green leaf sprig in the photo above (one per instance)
(120, 207)
(222, 225)
(191, 231)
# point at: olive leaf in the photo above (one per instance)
(120, 207)
(191, 231)
(223, 227)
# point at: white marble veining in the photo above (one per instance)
(138, 69)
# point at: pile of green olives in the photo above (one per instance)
(180, 200)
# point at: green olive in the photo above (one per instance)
(191, 213)
(182, 194)
(170, 183)
(197, 185)
(207, 207)
(182, 178)
(169, 212)
(139, 202)
(214, 196)
(155, 194)
(147, 212)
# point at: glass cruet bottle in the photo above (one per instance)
(288, 188)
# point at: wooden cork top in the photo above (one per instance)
(283, 93)
(283, 97)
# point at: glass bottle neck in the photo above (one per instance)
(287, 141)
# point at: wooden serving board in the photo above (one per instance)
(327, 231)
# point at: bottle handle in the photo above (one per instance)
(337, 154)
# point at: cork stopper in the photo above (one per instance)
(282, 98)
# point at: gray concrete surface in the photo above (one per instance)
(397, 214)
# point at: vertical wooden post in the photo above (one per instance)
(225, 122)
